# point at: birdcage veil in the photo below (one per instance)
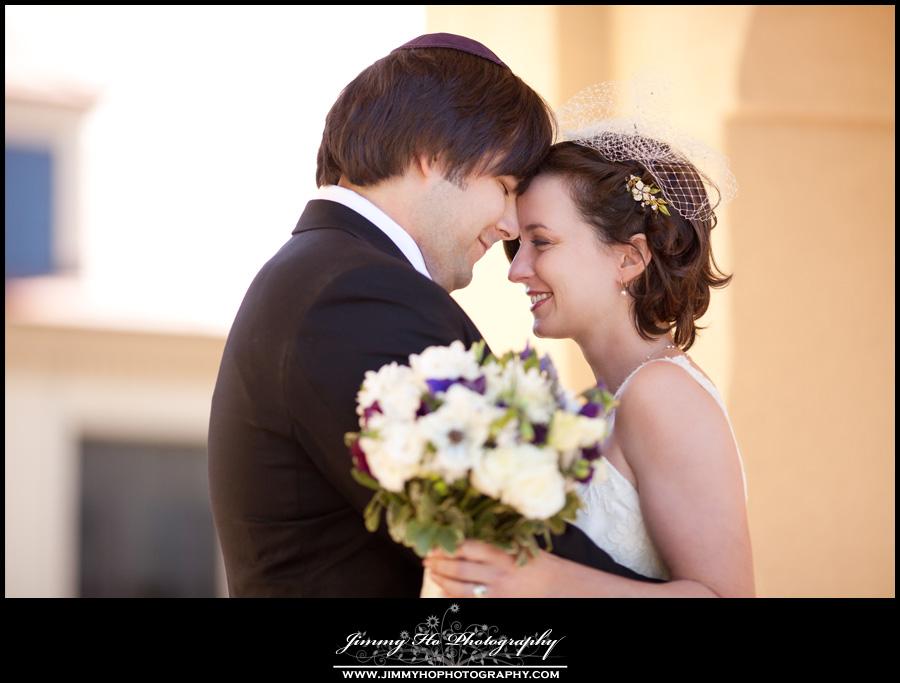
(629, 121)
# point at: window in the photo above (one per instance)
(43, 180)
(146, 524)
(29, 211)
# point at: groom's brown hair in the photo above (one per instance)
(468, 113)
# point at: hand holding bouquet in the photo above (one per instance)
(463, 445)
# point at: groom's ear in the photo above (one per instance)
(426, 166)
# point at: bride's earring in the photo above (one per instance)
(624, 292)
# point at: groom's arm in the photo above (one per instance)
(366, 318)
(575, 545)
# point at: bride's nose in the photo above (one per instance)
(520, 269)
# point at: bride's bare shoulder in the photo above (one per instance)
(664, 404)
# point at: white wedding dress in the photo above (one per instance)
(611, 516)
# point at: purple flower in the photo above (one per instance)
(591, 453)
(359, 458)
(540, 434)
(438, 385)
(526, 353)
(590, 410)
(371, 410)
(479, 386)
(548, 367)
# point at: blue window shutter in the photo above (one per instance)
(29, 211)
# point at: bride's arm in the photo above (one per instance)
(680, 448)
(678, 444)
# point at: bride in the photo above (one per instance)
(615, 254)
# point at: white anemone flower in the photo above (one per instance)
(458, 431)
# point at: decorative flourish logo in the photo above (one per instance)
(446, 642)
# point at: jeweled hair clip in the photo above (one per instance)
(644, 194)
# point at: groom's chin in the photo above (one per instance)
(461, 281)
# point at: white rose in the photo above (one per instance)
(563, 435)
(493, 470)
(535, 487)
(568, 431)
(592, 431)
(395, 456)
(445, 362)
(395, 388)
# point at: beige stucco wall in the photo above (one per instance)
(802, 344)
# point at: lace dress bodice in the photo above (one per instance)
(611, 516)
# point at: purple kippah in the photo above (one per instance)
(453, 42)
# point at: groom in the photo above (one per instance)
(417, 173)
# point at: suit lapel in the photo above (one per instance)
(323, 214)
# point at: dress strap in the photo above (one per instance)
(634, 372)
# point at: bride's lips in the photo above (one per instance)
(537, 304)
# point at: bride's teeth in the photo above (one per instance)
(539, 297)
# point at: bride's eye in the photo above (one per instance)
(539, 243)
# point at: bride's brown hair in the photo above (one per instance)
(672, 293)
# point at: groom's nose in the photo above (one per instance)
(508, 225)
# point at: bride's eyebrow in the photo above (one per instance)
(534, 226)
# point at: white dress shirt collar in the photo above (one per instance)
(385, 223)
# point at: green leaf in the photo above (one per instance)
(526, 430)
(420, 536)
(556, 526)
(581, 468)
(478, 349)
(663, 209)
(498, 424)
(373, 513)
(364, 479)
(532, 361)
(448, 538)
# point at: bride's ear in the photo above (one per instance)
(634, 257)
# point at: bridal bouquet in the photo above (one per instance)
(461, 444)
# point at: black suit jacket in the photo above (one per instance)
(339, 298)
